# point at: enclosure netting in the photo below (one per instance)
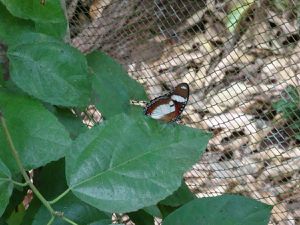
(241, 60)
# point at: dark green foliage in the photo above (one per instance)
(63, 81)
(48, 18)
(37, 134)
(289, 106)
(112, 168)
(51, 186)
(112, 87)
(11, 27)
(129, 163)
(6, 186)
(225, 210)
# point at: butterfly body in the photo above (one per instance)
(169, 107)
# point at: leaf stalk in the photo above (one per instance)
(59, 197)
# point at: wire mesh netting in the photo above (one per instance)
(241, 60)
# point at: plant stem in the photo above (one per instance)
(51, 220)
(19, 184)
(69, 221)
(14, 182)
(60, 196)
(21, 167)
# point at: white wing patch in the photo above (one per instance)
(178, 98)
(163, 110)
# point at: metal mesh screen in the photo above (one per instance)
(244, 83)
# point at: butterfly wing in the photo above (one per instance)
(180, 97)
(159, 107)
(169, 107)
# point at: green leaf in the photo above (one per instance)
(57, 30)
(72, 123)
(236, 15)
(225, 210)
(37, 135)
(166, 210)
(141, 217)
(15, 199)
(181, 196)
(2, 221)
(11, 27)
(1, 77)
(292, 94)
(73, 209)
(50, 70)
(153, 210)
(112, 86)
(51, 186)
(51, 12)
(6, 186)
(129, 163)
(17, 216)
(282, 5)
(289, 103)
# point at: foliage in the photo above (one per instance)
(112, 77)
(219, 210)
(129, 163)
(237, 14)
(289, 107)
(5, 185)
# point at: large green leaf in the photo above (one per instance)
(112, 86)
(48, 18)
(37, 135)
(181, 196)
(72, 123)
(51, 186)
(57, 30)
(50, 70)
(128, 163)
(6, 186)
(11, 27)
(51, 12)
(225, 210)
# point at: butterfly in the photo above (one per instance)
(169, 107)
